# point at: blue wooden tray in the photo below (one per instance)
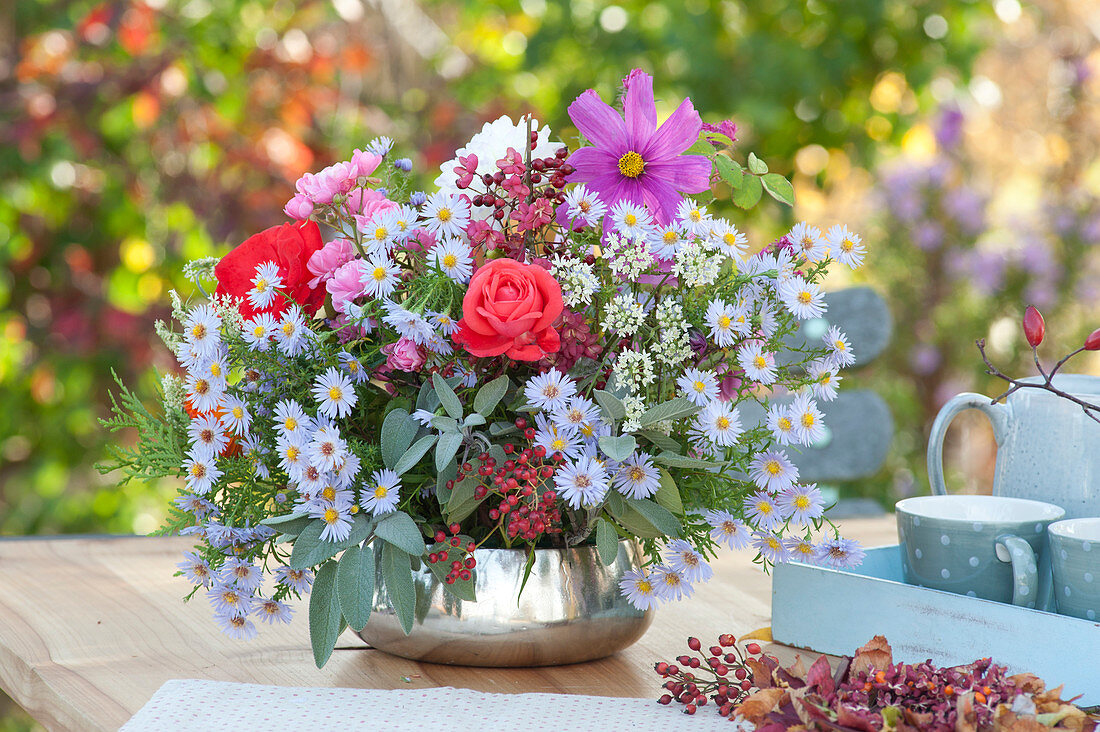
(837, 611)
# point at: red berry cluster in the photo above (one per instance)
(461, 567)
(731, 680)
(546, 179)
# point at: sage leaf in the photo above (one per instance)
(397, 576)
(607, 541)
(355, 585)
(675, 408)
(489, 396)
(668, 494)
(613, 407)
(399, 529)
(412, 456)
(447, 396)
(324, 614)
(618, 448)
(398, 431)
(449, 442)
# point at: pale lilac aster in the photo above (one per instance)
(549, 390)
(439, 345)
(824, 380)
(291, 419)
(701, 387)
(726, 322)
(583, 206)
(196, 569)
(728, 240)
(772, 470)
(721, 423)
(581, 483)
(424, 417)
(808, 242)
(758, 364)
(670, 584)
(334, 393)
(632, 221)
(840, 350)
(639, 590)
(404, 222)
(202, 472)
(202, 329)
(445, 215)
(242, 574)
(272, 611)
(237, 627)
(554, 438)
(291, 332)
(382, 493)
(444, 322)
(327, 450)
(235, 415)
(380, 277)
(299, 580)
(632, 159)
(265, 286)
(259, 331)
(337, 521)
(683, 558)
(727, 529)
(802, 503)
(228, 600)
(380, 233)
(779, 421)
(379, 147)
(771, 547)
(840, 553)
(804, 299)
(454, 258)
(348, 470)
(407, 323)
(667, 240)
(693, 218)
(203, 392)
(310, 480)
(206, 436)
(197, 506)
(800, 549)
(762, 511)
(637, 476)
(845, 247)
(577, 412)
(324, 262)
(809, 423)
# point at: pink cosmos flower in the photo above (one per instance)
(345, 285)
(404, 355)
(329, 258)
(634, 160)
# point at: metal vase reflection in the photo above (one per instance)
(571, 610)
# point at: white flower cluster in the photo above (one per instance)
(634, 370)
(624, 315)
(627, 258)
(695, 265)
(578, 280)
(672, 346)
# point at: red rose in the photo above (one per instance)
(509, 308)
(289, 246)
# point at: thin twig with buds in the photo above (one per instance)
(1091, 410)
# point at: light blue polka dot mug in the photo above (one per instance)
(990, 547)
(1075, 558)
(1047, 447)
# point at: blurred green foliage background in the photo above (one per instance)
(959, 135)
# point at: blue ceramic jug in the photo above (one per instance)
(1048, 449)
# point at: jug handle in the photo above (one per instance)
(998, 416)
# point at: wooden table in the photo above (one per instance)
(91, 627)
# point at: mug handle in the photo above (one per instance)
(998, 416)
(1025, 572)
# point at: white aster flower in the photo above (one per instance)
(454, 257)
(772, 470)
(637, 476)
(265, 286)
(720, 318)
(334, 393)
(337, 520)
(291, 332)
(781, 424)
(809, 423)
(202, 330)
(403, 222)
(639, 589)
(808, 240)
(727, 529)
(348, 470)
(667, 240)
(407, 323)
(242, 574)
(802, 503)
(202, 472)
(229, 601)
(206, 436)
(762, 510)
(549, 390)
(632, 221)
(235, 415)
(693, 217)
(553, 438)
(380, 145)
(840, 350)
(670, 584)
(800, 549)
(382, 493)
(584, 206)
(581, 483)
(327, 450)
(291, 419)
(771, 547)
(701, 387)
(825, 380)
(758, 364)
(299, 580)
(203, 393)
(721, 423)
(683, 558)
(272, 611)
(380, 277)
(311, 480)
(802, 298)
(445, 215)
(237, 627)
(577, 413)
(845, 247)
(380, 233)
(728, 239)
(292, 457)
(196, 570)
(259, 331)
(446, 324)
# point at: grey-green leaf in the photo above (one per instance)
(607, 541)
(729, 171)
(489, 396)
(668, 494)
(618, 448)
(324, 614)
(412, 456)
(613, 407)
(756, 165)
(682, 461)
(473, 420)
(660, 440)
(399, 529)
(779, 188)
(397, 574)
(675, 408)
(308, 549)
(447, 396)
(427, 399)
(274, 521)
(355, 585)
(398, 431)
(449, 442)
(661, 518)
(462, 589)
(748, 195)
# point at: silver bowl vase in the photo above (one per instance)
(571, 610)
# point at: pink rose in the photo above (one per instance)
(364, 204)
(364, 163)
(299, 207)
(346, 284)
(404, 355)
(326, 260)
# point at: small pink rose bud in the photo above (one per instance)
(1034, 326)
(1092, 343)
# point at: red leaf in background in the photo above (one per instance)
(93, 26)
(136, 29)
(1034, 326)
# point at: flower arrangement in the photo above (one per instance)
(549, 350)
(867, 692)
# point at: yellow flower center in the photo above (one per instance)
(723, 321)
(805, 297)
(449, 260)
(198, 332)
(802, 502)
(353, 366)
(645, 587)
(444, 214)
(808, 420)
(202, 386)
(215, 369)
(699, 386)
(585, 206)
(807, 243)
(630, 219)
(696, 215)
(290, 424)
(847, 245)
(764, 507)
(558, 444)
(238, 413)
(773, 467)
(334, 393)
(784, 424)
(380, 491)
(631, 164)
(198, 470)
(379, 274)
(331, 515)
(760, 362)
(636, 474)
(329, 493)
(261, 285)
(551, 391)
(840, 345)
(258, 331)
(723, 423)
(292, 453)
(381, 233)
(730, 239)
(671, 237)
(773, 543)
(805, 548)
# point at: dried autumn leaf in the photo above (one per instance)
(1028, 683)
(966, 719)
(863, 720)
(760, 704)
(875, 654)
(1009, 722)
(797, 669)
(820, 677)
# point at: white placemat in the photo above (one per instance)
(182, 705)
